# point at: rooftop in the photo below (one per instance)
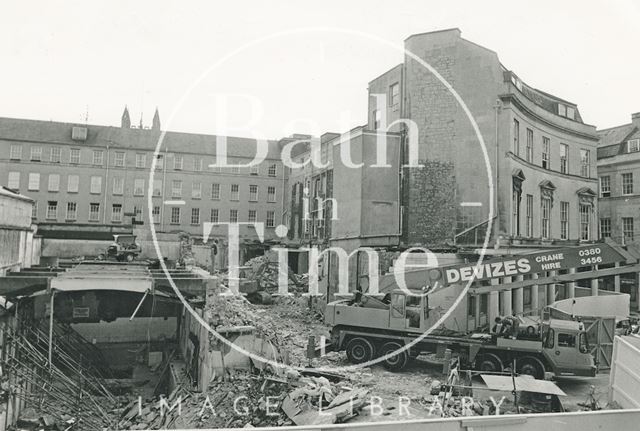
(4, 191)
(37, 131)
(547, 101)
(615, 135)
(612, 141)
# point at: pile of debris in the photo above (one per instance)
(247, 399)
(265, 271)
(316, 401)
(280, 323)
(232, 310)
(64, 392)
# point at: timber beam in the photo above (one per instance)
(563, 278)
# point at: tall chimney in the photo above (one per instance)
(635, 119)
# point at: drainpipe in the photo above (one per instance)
(162, 192)
(283, 194)
(106, 188)
(401, 151)
(497, 107)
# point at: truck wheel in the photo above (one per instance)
(489, 362)
(531, 366)
(397, 361)
(129, 257)
(359, 350)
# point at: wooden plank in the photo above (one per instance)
(563, 278)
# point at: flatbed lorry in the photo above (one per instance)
(369, 328)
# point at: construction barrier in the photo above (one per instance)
(624, 380)
(574, 421)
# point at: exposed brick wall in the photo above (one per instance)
(430, 192)
(328, 213)
(430, 212)
(295, 219)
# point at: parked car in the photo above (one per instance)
(123, 249)
(623, 327)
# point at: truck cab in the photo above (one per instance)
(565, 345)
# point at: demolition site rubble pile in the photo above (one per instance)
(287, 323)
(266, 271)
(249, 399)
(261, 274)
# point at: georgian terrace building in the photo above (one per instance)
(542, 154)
(619, 174)
(83, 174)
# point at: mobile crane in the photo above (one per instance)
(368, 328)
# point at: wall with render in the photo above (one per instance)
(16, 232)
(123, 330)
(70, 248)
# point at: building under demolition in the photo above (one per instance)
(97, 333)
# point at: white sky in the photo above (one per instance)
(58, 58)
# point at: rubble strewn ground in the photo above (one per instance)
(289, 322)
(305, 392)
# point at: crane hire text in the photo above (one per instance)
(505, 268)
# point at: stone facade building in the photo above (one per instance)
(619, 175)
(619, 194)
(83, 175)
(541, 153)
(338, 205)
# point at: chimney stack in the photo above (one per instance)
(635, 119)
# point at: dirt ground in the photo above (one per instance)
(412, 384)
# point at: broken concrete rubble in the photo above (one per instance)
(243, 399)
(278, 323)
(320, 402)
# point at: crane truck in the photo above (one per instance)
(367, 328)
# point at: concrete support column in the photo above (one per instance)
(638, 292)
(551, 290)
(493, 302)
(594, 284)
(616, 280)
(506, 299)
(493, 307)
(571, 287)
(518, 297)
(534, 295)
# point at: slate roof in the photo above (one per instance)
(13, 129)
(613, 140)
(614, 135)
